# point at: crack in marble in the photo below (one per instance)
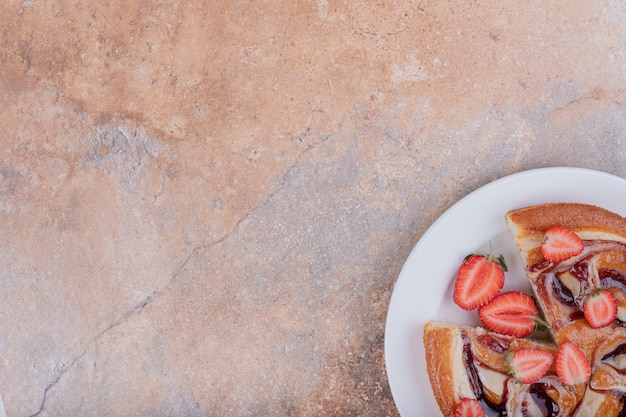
(124, 318)
(197, 249)
(281, 183)
(404, 144)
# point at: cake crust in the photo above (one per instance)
(588, 221)
(438, 340)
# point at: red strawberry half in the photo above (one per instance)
(528, 365)
(560, 243)
(511, 313)
(479, 279)
(600, 308)
(469, 407)
(572, 366)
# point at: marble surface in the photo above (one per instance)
(204, 206)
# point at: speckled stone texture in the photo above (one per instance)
(204, 205)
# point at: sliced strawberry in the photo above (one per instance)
(469, 407)
(528, 365)
(600, 308)
(572, 366)
(511, 313)
(560, 243)
(479, 279)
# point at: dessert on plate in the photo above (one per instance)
(575, 260)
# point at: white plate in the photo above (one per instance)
(423, 290)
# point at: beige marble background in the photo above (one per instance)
(204, 205)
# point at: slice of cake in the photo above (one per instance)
(471, 363)
(575, 259)
(566, 288)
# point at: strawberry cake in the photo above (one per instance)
(560, 351)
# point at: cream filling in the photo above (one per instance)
(492, 381)
(593, 235)
(462, 385)
(590, 404)
(571, 283)
(619, 362)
